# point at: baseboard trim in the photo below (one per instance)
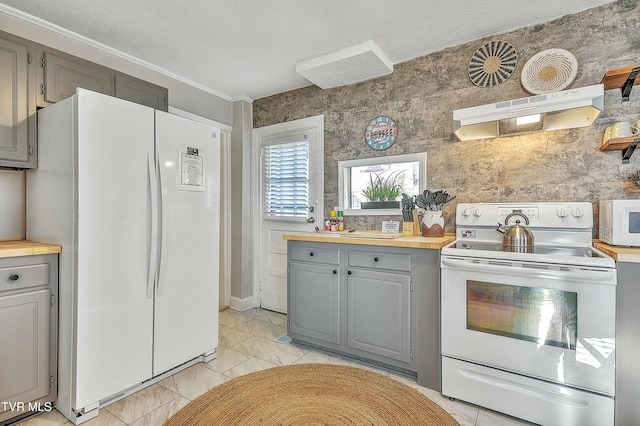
(241, 305)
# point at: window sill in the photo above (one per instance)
(372, 212)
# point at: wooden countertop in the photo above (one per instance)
(619, 253)
(346, 238)
(14, 248)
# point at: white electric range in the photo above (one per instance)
(529, 332)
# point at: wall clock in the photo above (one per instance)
(381, 133)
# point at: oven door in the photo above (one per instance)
(544, 321)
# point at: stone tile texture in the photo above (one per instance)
(420, 95)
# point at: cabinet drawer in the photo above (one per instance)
(315, 255)
(22, 277)
(380, 260)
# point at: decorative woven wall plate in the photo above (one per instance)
(492, 64)
(549, 71)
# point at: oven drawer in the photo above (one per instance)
(380, 260)
(527, 398)
(314, 254)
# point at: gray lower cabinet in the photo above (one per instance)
(28, 314)
(378, 313)
(315, 302)
(17, 102)
(375, 303)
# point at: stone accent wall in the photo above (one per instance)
(420, 95)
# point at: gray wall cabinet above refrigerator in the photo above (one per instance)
(60, 74)
(17, 103)
(35, 76)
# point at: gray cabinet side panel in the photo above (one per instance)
(627, 411)
(426, 276)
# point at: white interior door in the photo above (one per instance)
(290, 158)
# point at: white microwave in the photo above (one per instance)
(620, 222)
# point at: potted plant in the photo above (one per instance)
(382, 191)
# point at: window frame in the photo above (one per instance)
(343, 181)
(298, 218)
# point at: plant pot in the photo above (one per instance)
(433, 224)
(380, 205)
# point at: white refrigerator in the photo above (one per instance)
(132, 195)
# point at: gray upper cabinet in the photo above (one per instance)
(62, 73)
(141, 92)
(17, 103)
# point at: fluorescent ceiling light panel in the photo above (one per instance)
(559, 110)
(348, 66)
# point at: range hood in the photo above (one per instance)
(550, 111)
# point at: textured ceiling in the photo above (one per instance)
(248, 49)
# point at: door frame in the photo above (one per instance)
(314, 123)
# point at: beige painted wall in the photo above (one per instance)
(421, 94)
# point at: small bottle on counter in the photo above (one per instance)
(333, 217)
(340, 220)
(327, 225)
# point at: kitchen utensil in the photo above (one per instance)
(516, 235)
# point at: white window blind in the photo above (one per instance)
(285, 168)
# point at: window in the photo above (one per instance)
(285, 168)
(408, 173)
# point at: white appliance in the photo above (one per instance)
(530, 332)
(620, 222)
(567, 109)
(132, 195)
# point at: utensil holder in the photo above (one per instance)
(433, 224)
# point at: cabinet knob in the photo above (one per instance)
(14, 277)
(375, 259)
(335, 272)
(348, 272)
(311, 253)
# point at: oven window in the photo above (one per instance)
(540, 315)
(634, 222)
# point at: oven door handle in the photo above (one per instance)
(575, 275)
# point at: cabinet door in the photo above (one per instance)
(314, 301)
(24, 359)
(378, 313)
(17, 103)
(62, 73)
(141, 92)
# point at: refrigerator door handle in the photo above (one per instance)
(162, 232)
(153, 224)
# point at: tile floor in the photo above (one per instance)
(246, 345)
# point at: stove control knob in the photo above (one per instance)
(466, 212)
(477, 212)
(577, 213)
(562, 213)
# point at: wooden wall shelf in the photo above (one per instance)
(622, 78)
(626, 145)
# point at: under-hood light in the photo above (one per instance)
(554, 111)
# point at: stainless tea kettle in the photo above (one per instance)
(516, 235)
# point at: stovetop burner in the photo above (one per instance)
(586, 252)
(562, 234)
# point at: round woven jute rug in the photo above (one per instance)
(312, 394)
